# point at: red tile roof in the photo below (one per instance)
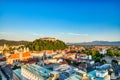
(49, 51)
(16, 55)
(83, 55)
(26, 54)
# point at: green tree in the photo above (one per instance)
(0, 77)
(68, 61)
(5, 50)
(104, 61)
(36, 47)
(10, 48)
(95, 54)
(110, 52)
(97, 59)
(115, 62)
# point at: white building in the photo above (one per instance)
(103, 51)
(101, 73)
(80, 75)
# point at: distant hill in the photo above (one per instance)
(114, 43)
(12, 43)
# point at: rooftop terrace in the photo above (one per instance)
(37, 70)
(18, 73)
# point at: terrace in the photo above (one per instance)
(41, 72)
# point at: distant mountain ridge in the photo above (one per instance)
(116, 43)
(12, 42)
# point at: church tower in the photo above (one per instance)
(27, 49)
(24, 50)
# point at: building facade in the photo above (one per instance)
(48, 39)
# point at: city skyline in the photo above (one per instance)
(70, 21)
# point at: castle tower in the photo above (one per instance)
(5, 46)
(24, 50)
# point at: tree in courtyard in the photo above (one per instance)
(115, 62)
(97, 59)
(104, 61)
(110, 52)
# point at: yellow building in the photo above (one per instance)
(48, 39)
(19, 57)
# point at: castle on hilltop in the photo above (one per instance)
(48, 39)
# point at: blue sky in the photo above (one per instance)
(70, 21)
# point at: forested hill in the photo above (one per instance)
(38, 45)
(12, 43)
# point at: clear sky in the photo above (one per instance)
(67, 20)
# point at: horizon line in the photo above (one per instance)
(63, 40)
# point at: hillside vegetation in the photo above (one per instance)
(38, 45)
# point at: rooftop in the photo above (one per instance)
(84, 55)
(26, 54)
(37, 70)
(104, 67)
(80, 71)
(12, 56)
(92, 74)
(17, 55)
(77, 76)
(18, 73)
